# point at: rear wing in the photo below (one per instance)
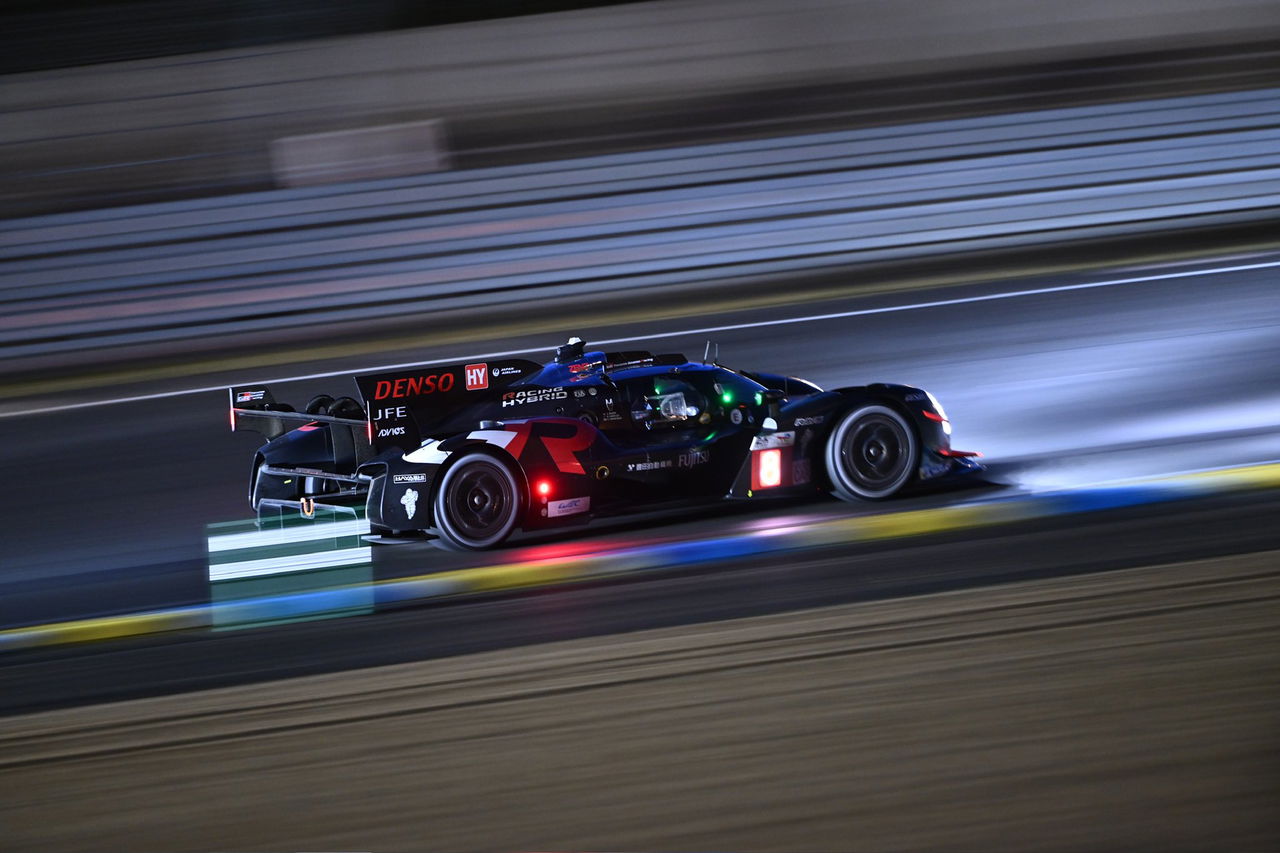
(413, 404)
(254, 409)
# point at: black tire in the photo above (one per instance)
(346, 407)
(478, 503)
(319, 405)
(871, 454)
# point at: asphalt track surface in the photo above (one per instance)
(127, 669)
(1177, 369)
(1128, 710)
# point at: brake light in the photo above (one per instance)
(368, 429)
(233, 419)
(769, 468)
(543, 488)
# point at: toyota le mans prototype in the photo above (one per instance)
(471, 452)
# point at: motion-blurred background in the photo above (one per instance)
(1061, 218)
(107, 103)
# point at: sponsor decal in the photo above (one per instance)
(389, 431)
(655, 465)
(575, 436)
(506, 371)
(735, 415)
(813, 421)
(774, 439)
(394, 412)
(611, 416)
(800, 472)
(409, 478)
(691, 458)
(806, 438)
(308, 507)
(409, 500)
(250, 396)
(591, 391)
(477, 376)
(570, 506)
(533, 395)
(412, 386)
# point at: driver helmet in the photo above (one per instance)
(673, 403)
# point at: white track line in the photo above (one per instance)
(812, 318)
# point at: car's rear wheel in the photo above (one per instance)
(872, 453)
(318, 405)
(478, 503)
(346, 407)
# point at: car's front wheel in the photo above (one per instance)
(478, 503)
(872, 453)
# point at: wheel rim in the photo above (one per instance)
(876, 452)
(479, 502)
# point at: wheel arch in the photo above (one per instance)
(891, 396)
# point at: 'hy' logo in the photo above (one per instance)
(477, 376)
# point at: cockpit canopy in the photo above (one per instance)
(668, 402)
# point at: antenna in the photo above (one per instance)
(706, 352)
(717, 352)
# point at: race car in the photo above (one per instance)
(469, 453)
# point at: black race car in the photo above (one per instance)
(471, 452)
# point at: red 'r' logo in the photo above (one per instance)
(561, 449)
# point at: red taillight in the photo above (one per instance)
(368, 429)
(543, 488)
(233, 420)
(934, 416)
(769, 468)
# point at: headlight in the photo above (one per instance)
(938, 414)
